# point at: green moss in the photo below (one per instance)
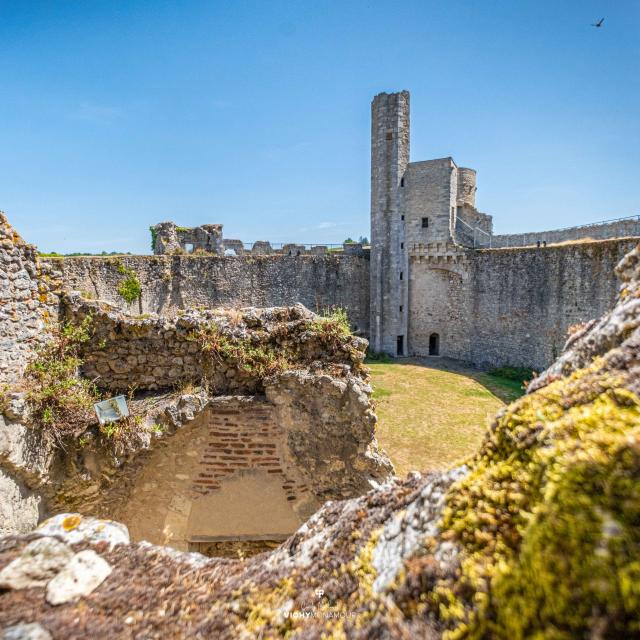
(548, 518)
(4, 398)
(154, 237)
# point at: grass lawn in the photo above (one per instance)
(431, 418)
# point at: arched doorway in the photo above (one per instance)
(434, 344)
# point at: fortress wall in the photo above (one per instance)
(616, 229)
(524, 300)
(171, 283)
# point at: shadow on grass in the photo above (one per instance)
(503, 388)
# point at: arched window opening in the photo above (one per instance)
(434, 344)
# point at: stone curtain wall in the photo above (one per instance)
(524, 300)
(508, 306)
(28, 300)
(171, 283)
(616, 229)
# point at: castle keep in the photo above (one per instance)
(443, 284)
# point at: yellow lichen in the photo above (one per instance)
(71, 522)
(547, 518)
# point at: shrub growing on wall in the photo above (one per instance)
(60, 399)
(130, 288)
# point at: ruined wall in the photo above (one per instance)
(149, 353)
(28, 300)
(617, 229)
(524, 300)
(223, 478)
(171, 283)
(167, 237)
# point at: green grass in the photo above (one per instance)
(431, 418)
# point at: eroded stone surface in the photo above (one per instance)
(40, 561)
(83, 573)
(26, 631)
(74, 528)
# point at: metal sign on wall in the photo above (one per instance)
(111, 410)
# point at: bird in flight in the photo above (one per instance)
(598, 24)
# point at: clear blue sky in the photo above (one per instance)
(117, 115)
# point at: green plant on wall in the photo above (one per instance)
(154, 237)
(260, 360)
(332, 327)
(130, 288)
(59, 398)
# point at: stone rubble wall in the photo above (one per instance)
(500, 307)
(523, 301)
(28, 301)
(153, 352)
(330, 427)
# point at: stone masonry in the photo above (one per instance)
(439, 284)
(28, 301)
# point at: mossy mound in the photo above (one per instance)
(548, 518)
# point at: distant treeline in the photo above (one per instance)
(55, 254)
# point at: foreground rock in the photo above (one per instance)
(38, 563)
(537, 536)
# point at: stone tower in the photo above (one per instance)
(389, 160)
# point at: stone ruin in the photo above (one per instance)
(534, 536)
(170, 239)
(243, 421)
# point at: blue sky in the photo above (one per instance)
(116, 115)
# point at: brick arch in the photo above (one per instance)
(221, 479)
